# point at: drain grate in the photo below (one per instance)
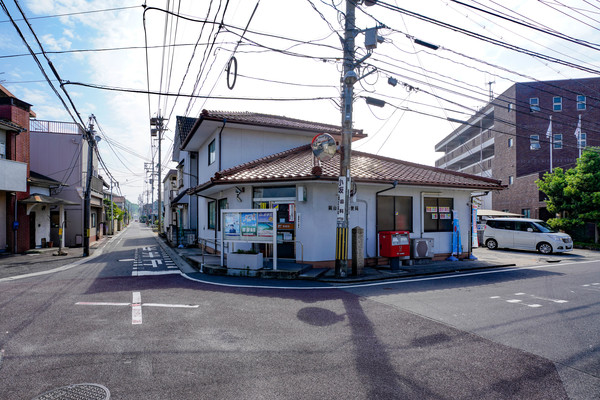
(82, 391)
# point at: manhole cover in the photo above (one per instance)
(82, 391)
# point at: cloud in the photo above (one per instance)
(53, 44)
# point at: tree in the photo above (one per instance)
(574, 194)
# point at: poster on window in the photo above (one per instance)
(434, 216)
(431, 210)
(249, 224)
(232, 225)
(444, 209)
(265, 224)
(446, 216)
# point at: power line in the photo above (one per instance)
(75, 13)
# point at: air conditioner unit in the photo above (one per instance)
(421, 248)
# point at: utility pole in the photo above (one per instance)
(148, 167)
(89, 136)
(157, 123)
(112, 215)
(344, 181)
(350, 77)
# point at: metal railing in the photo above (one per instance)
(55, 127)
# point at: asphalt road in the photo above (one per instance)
(550, 310)
(128, 322)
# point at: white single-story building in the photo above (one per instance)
(388, 195)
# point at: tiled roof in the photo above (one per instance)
(6, 124)
(251, 118)
(184, 127)
(298, 164)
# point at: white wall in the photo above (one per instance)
(317, 229)
(241, 146)
(316, 222)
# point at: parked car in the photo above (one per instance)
(525, 234)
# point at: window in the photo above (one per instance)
(500, 224)
(526, 212)
(438, 214)
(582, 140)
(400, 207)
(2, 150)
(557, 103)
(511, 142)
(534, 104)
(222, 206)
(93, 220)
(511, 180)
(580, 102)
(558, 141)
(212, 152)
(534, 142)
(511, 107)
(212, 212)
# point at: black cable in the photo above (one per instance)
(487, 38)
(37, 61)
(138, 91)
(49, 62)
(75, 13)
(562, 36)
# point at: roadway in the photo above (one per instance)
(128, 320)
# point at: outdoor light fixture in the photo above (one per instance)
(392, 81)
(426, 44)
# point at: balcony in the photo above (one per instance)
(13, 176)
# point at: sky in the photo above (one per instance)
(111, 53)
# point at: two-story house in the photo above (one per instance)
(258, 161)
(60, 150)
(185, 206)
(14, 172)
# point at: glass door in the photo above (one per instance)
(286, 228)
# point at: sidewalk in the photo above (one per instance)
(40, 260)
(210, 265)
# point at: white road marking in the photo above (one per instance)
(170, 305)
(155, 263)
(150, 273)
(136, 309)
(543, 298)
(136, 306)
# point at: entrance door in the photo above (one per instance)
(32, 226)
(286, 229)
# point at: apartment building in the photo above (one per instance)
(530, 129)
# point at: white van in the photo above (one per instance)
(525, 234)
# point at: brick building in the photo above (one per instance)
(508, 139)
(14, 171)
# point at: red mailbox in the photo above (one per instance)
(394, 244)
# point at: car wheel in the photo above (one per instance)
(491, 244)
(544, 248)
